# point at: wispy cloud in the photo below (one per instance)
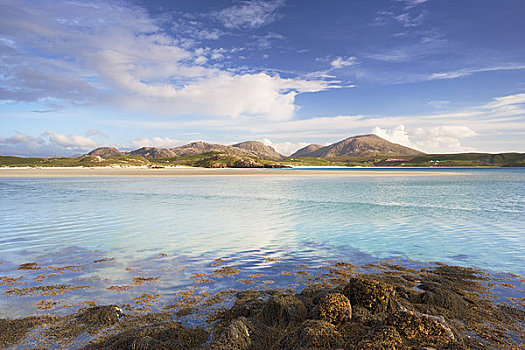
(407, 20)
(105, 53)
(251, 14)
(468, 71)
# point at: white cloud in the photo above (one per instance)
(441, 139)
(341, 62)
(439, 104)
(48, 144)
(105, 53)
(468, 71)
(159, 142)
(407, 20)
(249, 14)
(412, 2)
(285, 148)
(70, 142)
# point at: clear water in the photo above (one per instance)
(474, 219)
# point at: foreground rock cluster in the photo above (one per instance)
(441, 308)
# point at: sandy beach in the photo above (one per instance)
(182, 172)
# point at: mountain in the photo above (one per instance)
(152, 152)
(106, 152)
(198, 147)
(248, 149)
(258, 149)
(305, 151)
(363, 145)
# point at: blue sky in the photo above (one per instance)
(439, 76)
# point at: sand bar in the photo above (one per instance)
(205, 172)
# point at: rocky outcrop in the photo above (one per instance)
(363, 145)
(254, 149)
(106, 152)
(258, 149)
(306, 151)
(152, 152)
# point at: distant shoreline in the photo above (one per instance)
(203, 172)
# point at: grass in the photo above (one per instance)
(218, 159)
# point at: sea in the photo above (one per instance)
(109, 240)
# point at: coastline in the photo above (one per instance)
(202, 172)
(375, 306)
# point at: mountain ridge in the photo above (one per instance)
(360, 145)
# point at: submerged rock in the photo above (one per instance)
(101, 315)
(283, 311)
(12, 331)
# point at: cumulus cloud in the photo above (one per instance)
(285, 148)
(49, 143)
(105, 53)
(341, 62)
(249, 14)
(159, 142)
(70, 142)
(441, 139)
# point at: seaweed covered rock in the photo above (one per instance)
(170, 335)
(283, 311)
(334, 308)
(444, 299)
(420, 329)
(12, 331)
(236, 336)
(247, 305)
(313, 334)
(371, 294)
(101, 315)
(382, 338)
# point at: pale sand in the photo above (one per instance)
(203, 172)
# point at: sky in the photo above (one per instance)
(441, 76)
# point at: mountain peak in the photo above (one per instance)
(361, 145)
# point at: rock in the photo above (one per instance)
(236, 336)
(382, 338)
(314, 334)
(246, 308)
(371, 294)
(12, 331)
(334, 308)
(283, 311)
(101, 315)
(170, 335)
(443, 298)
(421, 329)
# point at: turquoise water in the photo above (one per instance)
(474, 219)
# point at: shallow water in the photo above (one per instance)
(474, 219)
